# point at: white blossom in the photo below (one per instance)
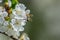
(19, 14)
(22, 6)
(6, 23)
(16, 20)
(17, 24)
(13, 33)
(4, 14)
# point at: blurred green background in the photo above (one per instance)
(45, 23)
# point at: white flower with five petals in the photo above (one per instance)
(18, 24)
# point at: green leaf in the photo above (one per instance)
(14, 2)
(5, 0)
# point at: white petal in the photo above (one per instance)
(4, 14)
(21, 29)
(23, 22)
(27, 11)
(1, 14)
(22, 6)
(17, 17)
(16, 34)
(1, 20)
(17, 7)
(6, 23)
(13, 21)
(3, 29)
(17, 27)
(13, 27)
(13, 33)
(1, 1)
(14, 12)
(9, 32)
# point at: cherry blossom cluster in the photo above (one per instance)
(13, 23)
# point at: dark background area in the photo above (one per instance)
(45, 23)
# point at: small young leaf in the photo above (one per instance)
(14, 2)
